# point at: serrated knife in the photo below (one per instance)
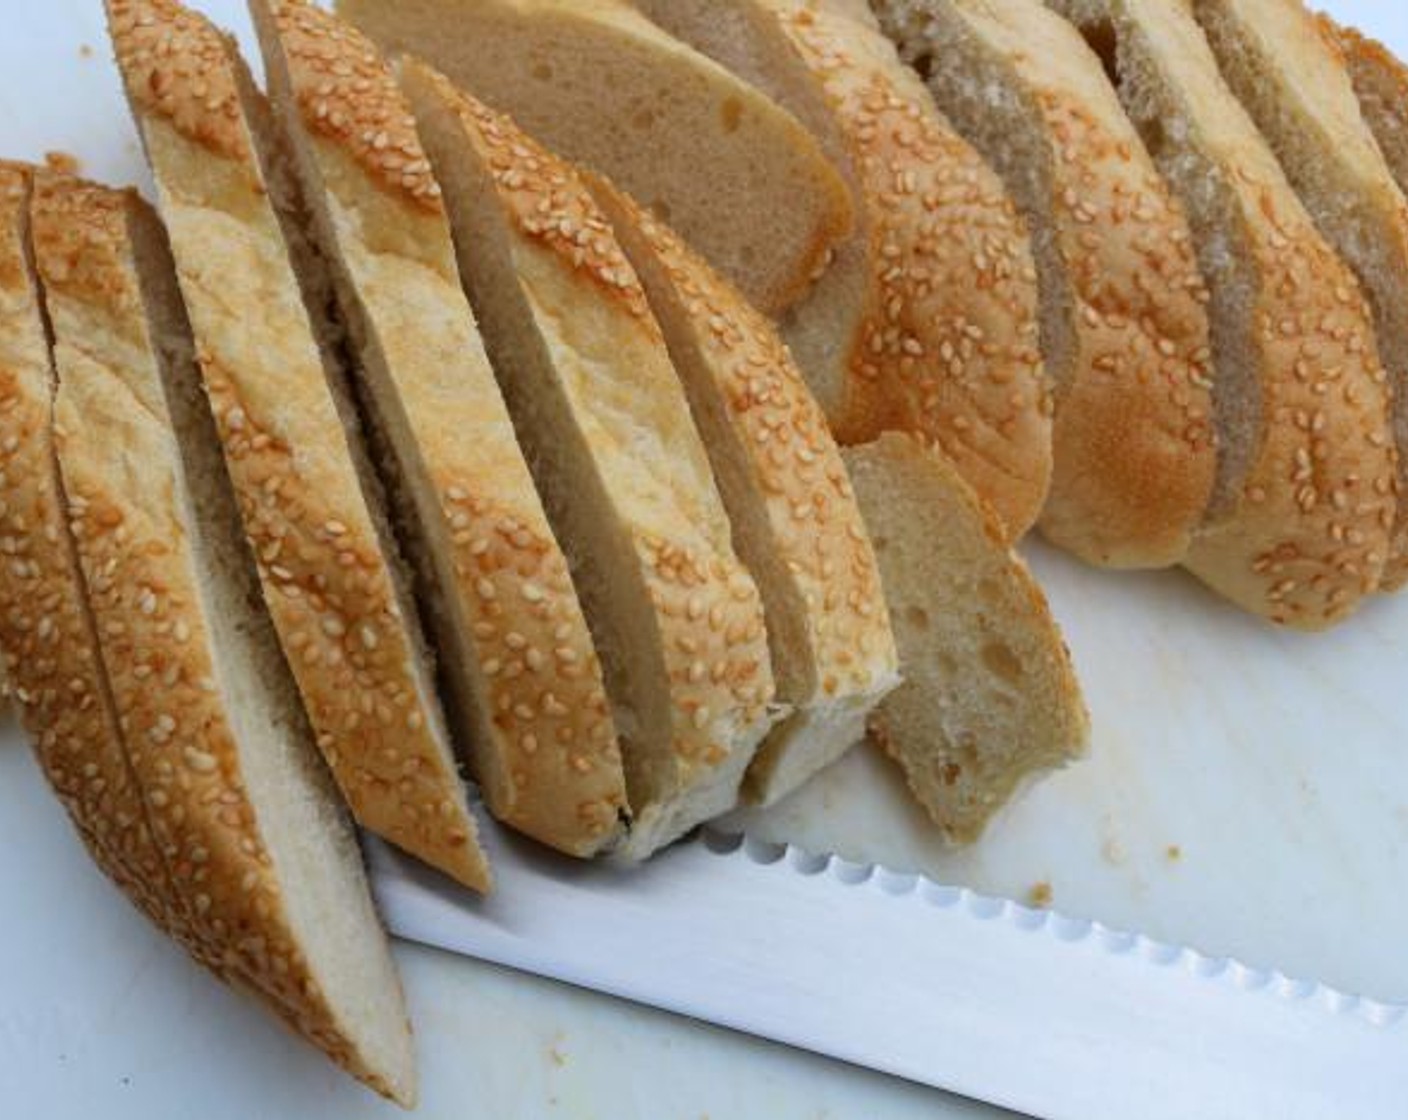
(1027, 1009)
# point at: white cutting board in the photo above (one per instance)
(1246, 791)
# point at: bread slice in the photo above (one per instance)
(1380, 82)
(927, 321)
(989, 700)
(594, 80)
(1304, 505)
(312, 507)
(266, 857)
(795, 520)
(47, 633)
(540, 732)
(677, 619)
(1124, 330)
(1293, 82)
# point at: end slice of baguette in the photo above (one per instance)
(927, 319)
(990, 700)
(1304, 506)
(600, 84)
(582, 363)
(794, 517)
(311, 504)
(1124, 330)
(1293, 81)
(48, 636)
(541, 738)
(266, 857)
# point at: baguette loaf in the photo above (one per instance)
(1293, 82)
(989, 699)
(47, 634)
(1299, 527)
(927, 320)
(542, 740)
(311, 506)
(594, 80)
(795, 520)
(622, 470)
(266, 858)
(1381, 84)
(1124, 332)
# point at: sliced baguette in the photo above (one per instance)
(1299, 527)
(47, 634)
(311, 506)
(989, 700)
(1124, 331)
(927, 320)
(267, 859)
(594, 80)
(795, 520)
(1381, 84)
(1293, 81)
(677, 619)
(542, 740)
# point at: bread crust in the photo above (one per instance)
(116, 450)
(53, 668)
(540, 703)
(712, 645)
(808, 187)
(1134, 448)
(326, 575)
(815, 531)
(1304, 535)
(946, 344)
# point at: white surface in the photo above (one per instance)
(1288, 801)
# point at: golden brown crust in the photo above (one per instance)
(131, 540)
(816, 528)
(52, 664)
(1381, 83)
(346, 96)
(947, 347)
(1134, 446)
(1134, 450)
(556, 771)
(706, 607)
(1309, 536)
(326, 577)
(176, 68)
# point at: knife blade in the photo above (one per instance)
(1028, 1009)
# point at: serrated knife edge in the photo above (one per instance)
(1052, 1016)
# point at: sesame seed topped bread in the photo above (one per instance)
(989, 699)
(677, 619)
(539, 727)
(240, 799)
(1380, 81)
(1304, 505)
(310, 504)
(1124, 332)
(738, 176)
(926, 321)
(795, 520)
(47, 634)
(1292, 80)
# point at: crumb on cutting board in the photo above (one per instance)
(1041, 895)
(85, 51)
(63, 163)
(1174, 852)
